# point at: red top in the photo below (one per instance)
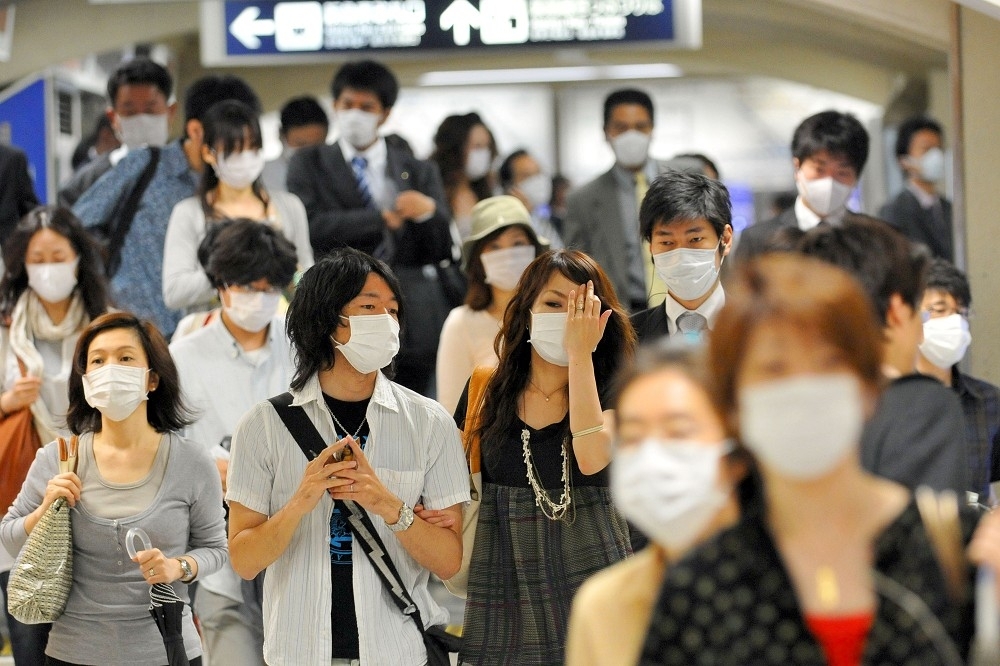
(842, 637)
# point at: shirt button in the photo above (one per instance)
(114, 523)
(119, 562)
(119, 549)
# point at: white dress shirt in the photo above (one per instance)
(710, 309)
(807, 219)
(415, 450)
(380, 187)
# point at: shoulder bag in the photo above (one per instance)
(459, 583)
(19, 442)
(42, 576)
(438, 642)
(113, 237)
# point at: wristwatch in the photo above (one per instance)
(404, 521)
(187, 574)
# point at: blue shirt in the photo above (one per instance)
(138, 284)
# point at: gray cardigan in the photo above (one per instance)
(106, 619)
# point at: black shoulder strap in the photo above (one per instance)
(308, 438)
(122, 222)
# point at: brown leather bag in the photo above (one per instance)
(19, 442)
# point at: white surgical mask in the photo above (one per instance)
(239, 170)
(669, 489)
(143, 129)
(374, 342)
(946, 340)
(825, 196)
(359, 128)
(548, 335)
(931, 165)
(504, 267)
(477, 164)
(631, 148)
(689, 273)
(53, 282)
(252, 311)
(536, 189)
(803, 426)
(116, 390)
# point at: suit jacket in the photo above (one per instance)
(594, 225)
(17, 193)
(757, 239)
(650, 324)
(917, 223)
(322, 179)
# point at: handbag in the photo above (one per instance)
(438, 642)
(43, 573)
(19, 442)
(459, 583)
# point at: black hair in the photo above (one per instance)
(506, 171)
(140, 71)
(882, 260)
(626, 96)
(320, 297)
(302, 111)
(81, 154)
(945, 276)
(705, 163)
(90, 280)
(166, 410)
(835, 132)
(232, 126)
(679, 195)
(242, 251)
(450, 141)
(911, 126)
(212, 89)
(368, 75)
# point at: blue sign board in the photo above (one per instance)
(277, 29)
(23, 125)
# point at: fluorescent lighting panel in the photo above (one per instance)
(550, 74)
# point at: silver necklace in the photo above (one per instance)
(551, 510)
(341, 425)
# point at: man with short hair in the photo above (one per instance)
(324, 601)
(920, 211)
(137, 270)
(242, 356)
(140, 111)
(917, 434)
(303, 123)
(602, 217)
(521, 176)
(372, 195)
(686, 218)
(946, 339)
(829, 151)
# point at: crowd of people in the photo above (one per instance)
(622, 432)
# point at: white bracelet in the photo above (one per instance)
(589, 431)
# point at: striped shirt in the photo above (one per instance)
(416, 453)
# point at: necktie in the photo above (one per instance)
(359, 164)
(655, 289)
(692, 323)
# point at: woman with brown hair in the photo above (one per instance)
(546, 521)
(494, 257)
(840, 566)
(464, 150)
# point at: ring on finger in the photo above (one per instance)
(150, 573)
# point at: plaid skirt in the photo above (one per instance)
(526, 568)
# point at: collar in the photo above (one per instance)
(383, 395)
(116, 155)
(710, 309)
(807, 219)
(376, 153)
(925, 200)
(626, 179)
(219, 330)
(962, 386)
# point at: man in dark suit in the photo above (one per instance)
(365, 193)
(917, 435)
(687, 220)
(602, 217)
(919, 211)
(829, 151)
(17, 193)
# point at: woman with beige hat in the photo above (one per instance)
(501, 244)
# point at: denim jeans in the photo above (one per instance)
(27, 641)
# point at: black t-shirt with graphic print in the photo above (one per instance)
(343, 618)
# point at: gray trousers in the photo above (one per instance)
(230, 634)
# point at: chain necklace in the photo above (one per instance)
(341, 425)
(545, 395)
(550, 509)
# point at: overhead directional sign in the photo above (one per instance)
(267, 32)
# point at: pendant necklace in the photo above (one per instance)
(545, 395)
(551, 510)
